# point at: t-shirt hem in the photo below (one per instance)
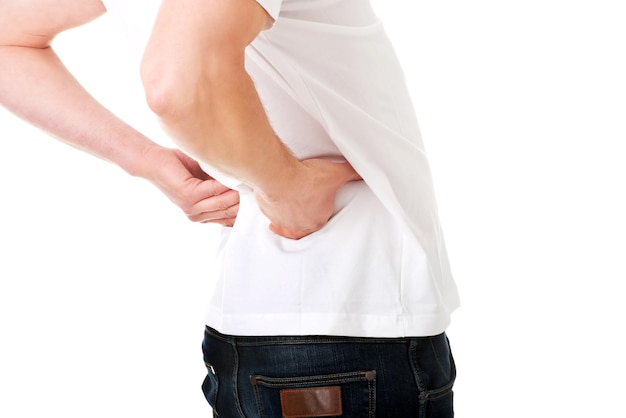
(272, 7)
(366, 326)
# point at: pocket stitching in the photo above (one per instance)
(312, 381)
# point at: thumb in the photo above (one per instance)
(351, 172)
(209, 187)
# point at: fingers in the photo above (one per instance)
(221, 221)
(212, 202)
(349, 172)
(284, 232)
(220, 209)
(207, 188)
(183, 181)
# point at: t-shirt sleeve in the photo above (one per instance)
(272, 7)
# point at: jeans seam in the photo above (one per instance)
(236, 380)
(437, 393)
(288, 341)
(217, 335)
(308, 380)
(413, 362)
(372, 398)
(257, 395)
(432, 347)
(440, 392)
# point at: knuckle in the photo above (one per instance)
(231, 212)
(222, 205)
(216, 188)
(195, 218)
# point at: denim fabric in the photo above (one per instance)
(382, 378)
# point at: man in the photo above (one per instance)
(334, 293)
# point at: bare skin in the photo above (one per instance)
(59, 105)
(195, 80)
(196, 83)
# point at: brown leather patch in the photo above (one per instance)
(311, 402)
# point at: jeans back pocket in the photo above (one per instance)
(350, 394)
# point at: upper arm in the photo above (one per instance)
(195, 43)
(189, 31)
(34, 23)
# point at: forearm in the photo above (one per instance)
(195, 80)
(224, 124)
(37, 87)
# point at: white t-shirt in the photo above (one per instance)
(332, 87)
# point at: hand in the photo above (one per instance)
(308, 199)
(180, 178)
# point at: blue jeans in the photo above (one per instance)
(312, 376)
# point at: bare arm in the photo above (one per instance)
(195, 80)
(36, 86)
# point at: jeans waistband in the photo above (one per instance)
(305, 339)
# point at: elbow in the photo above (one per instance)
(164, 96)
(176, 88)
(171, 88)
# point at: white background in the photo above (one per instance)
(522, 107)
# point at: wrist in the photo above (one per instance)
(285, 179)
(144, 161)
(307, 175)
